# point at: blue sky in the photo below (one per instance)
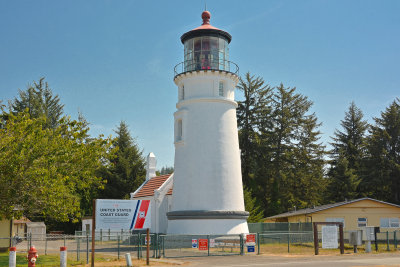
(114, 60)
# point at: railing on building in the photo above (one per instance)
(212, 65)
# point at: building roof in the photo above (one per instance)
(22, 220)
(206, 29)
(35, 224)
(325, 207)
(152, 184)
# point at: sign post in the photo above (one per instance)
(93, 231)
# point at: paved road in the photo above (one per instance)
(386, 259)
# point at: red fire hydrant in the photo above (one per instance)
(32, 256)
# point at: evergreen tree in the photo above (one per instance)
(282, 158)
(347, 156)
(344, 182)
(350, 142)
(40, 101)
(166, 170)
(251, 112)
(293, 142)
(250, 202)
(127, 169)
(382, 178)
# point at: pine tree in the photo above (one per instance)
(255, 210)
(351, 141)
(344, 182)
(382, 178)
(347, 156)
(251, 112)
(127, 169)
(293, 141)
(40, 101)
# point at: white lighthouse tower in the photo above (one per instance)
(207, 192)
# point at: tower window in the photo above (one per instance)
(179, 131)
(221, 89)
(182, 93)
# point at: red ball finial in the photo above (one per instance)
(206, 17)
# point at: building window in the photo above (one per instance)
(221, 89)
(362, 222)
(335, 220)
(390, 223)
(182, 93)
(179, 131)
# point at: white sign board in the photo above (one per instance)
(329, 236)
(116, 214)
(212, 243)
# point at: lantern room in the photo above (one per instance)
(206, 48)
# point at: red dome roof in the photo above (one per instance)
(206, 28)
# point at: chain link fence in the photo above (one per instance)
(115, 244)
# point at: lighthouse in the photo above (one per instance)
(207, 191)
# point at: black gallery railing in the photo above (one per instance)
(197, 65)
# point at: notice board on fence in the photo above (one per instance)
(116, 214)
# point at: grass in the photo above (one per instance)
(44, 260)
(54, 260)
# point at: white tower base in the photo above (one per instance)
(208, 227)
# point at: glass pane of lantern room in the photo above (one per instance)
(197, 51)
(205, 56)
(214, 52)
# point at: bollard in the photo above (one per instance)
(13, 257)
(63, 256)
(128, 259)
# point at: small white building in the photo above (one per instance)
(36, 229)
(157, 189)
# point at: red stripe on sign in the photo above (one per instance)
(141, 217)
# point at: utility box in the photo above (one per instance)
(369, 233)
(355, 238)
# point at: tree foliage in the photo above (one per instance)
(251, 205)
(382, 174)
(47, 172)
(282, 158)
(39, 100)
(126, 170)
(347, 156)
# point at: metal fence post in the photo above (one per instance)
(87, 248)
(118, 237)
(241, 244)
(288, 239)
(258, 243)
(64, 240)
(78, 248)
(45, 245)
(395, 239)
(101, 236)
(387, 240)
(208, 245)
(139, 246)
(163, 245)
